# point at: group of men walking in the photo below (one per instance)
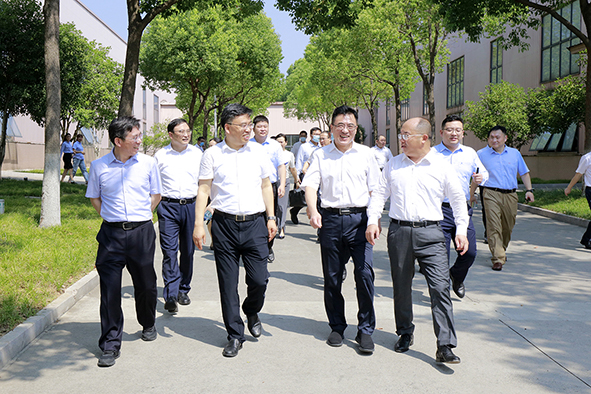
(346, 185)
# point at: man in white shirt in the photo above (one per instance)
(417, 181)
(302, 157)
(295, 147)
(468, 166)
(346, 173)
(381, 152)
(236, 175)
(178, 164)
(275, 153)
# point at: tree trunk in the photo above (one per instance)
(398, 105)
(3, 139)
(50, 202)
(431, 106)
(132, 56)
(588, 106)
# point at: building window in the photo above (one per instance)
(496, 62)
(425, 104)
(559, 142)
(387, 112)
(291, 139)
(557, 61)
(455, 83)
(405, 109)
(156, 109)
(144, 109)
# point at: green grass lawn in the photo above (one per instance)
(574, 204)
(37, 265)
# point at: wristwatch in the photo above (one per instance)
(529, 190)
(272, 218)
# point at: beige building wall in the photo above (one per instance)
(278, 123)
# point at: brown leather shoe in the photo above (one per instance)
(497, 266)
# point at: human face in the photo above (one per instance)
(181, 135)
(496, 140)
(261, 131)
(324, 139)
(238, 131)
(452, 133)
(282, 142)
(344, 128)
(212, 143)
(79, 138)
(129, 146)
(315, 135)
(381, 142)
(411, 146)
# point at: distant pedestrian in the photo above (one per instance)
(201, 143)
(178, 164)
(325, 138)
(583, 170)
(303, 137)
(381, 152)
(236, 174)
(284, 201)
(67, 151)
(499, 194)
(124, 188)
(302, 158)
(79, 158)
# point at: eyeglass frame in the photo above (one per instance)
(243, 126)
(405, 137)
(343, 126)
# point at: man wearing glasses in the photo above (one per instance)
(346, 173)
(468, 167)
(381, 152)
(124, 188)
(236, 174)
(304, 153)
(416, 182)
(178, 164)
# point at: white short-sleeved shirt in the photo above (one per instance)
(237, 177)
(179, 171)
(382, 155)
(585, 168)
(275, 154)
(304, 154)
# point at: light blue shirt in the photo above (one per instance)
(465, 161)
(66, 148)
(304, 154)
(503, 167)
(78, 146)
(275, 153)
(124, 188)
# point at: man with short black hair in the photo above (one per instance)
(381, 152)
(178, 164)
(78, 158)
(302, 158)
(302, 140)
(124, 188)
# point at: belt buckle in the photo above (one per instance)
(183, 201)
(127, 226)
(418, 224)
(240, 218)
(344, 211)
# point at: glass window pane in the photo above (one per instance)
(554, 142)
(576, 15)
(574, 66)
(545, 65)
(555, 62)
(555, 31)
(567, 15)
(565, 59)
(569, 138)
(546, 30)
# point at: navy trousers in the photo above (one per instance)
(587, 236)
(231, 241)
(176, 223)
(341, 237)
(133, 249)
(460, 268)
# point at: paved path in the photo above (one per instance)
(525, 329)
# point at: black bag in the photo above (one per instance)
(297, 198)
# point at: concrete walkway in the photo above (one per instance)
(526, 329)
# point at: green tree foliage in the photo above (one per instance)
(157, 137)
(213, 53)
(22, 72)
(316, 16)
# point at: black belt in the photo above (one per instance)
(504, 191)
(126, 225)
(239, 218)
(182, 201)
(346, 211)
(423, 223)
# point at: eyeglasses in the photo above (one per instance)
(407, 136)
(183, 132)
(451, 130)
(342, 126)
(137, 138)
(243, 126)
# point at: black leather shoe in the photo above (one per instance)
(107, 359)
(497, 266)
(588, 245)
(149, 334)
(271, 257)
(404, 343)
(171, 305)
(184, 299)
(458, 287)
(254, 325)
(365, 343)
(445, 355)
(335, 339)
(231, 349)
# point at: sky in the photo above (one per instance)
(293, 42)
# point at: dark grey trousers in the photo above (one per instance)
(427, 245)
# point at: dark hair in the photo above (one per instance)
(497, 127)
(120, 127)
(233, 110)
(260, 118)
(313, 129)
(79, 135)
(217, 140)
(280, 135)
(379, 135)
(451, 118)
(304, 132)
(174, 123)
(344, 110)
(202, 138)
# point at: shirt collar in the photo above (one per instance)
(492, 151)
(112, 158)
(442, 148)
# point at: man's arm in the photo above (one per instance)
(282, 177)
(96, 203)
(269, 206)
(573, 182)
(312, 210)
(529, 196)
(155, 200)
(200, 205)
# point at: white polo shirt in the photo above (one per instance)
(179, 171)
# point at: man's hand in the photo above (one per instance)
(315, 219)
(529, 196)
(199, 235)
(462, 244)
(477, 177)
(373, 233)
(567, 190)
(272, 227)
(281, 191)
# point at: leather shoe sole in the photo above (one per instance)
(497, 266)
(254, 325)
(232, 348)
(404, 343)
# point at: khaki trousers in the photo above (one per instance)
(501, 210)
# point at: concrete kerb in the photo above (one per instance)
(18, 339)
(561, 217)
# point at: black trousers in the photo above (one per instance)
(133, 249)
(175, 224)
(587, 236)
(341, 237)
(277, 211)
(231, 241)
(459, 269)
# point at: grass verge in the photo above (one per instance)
(37, 265)
(574, 204)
